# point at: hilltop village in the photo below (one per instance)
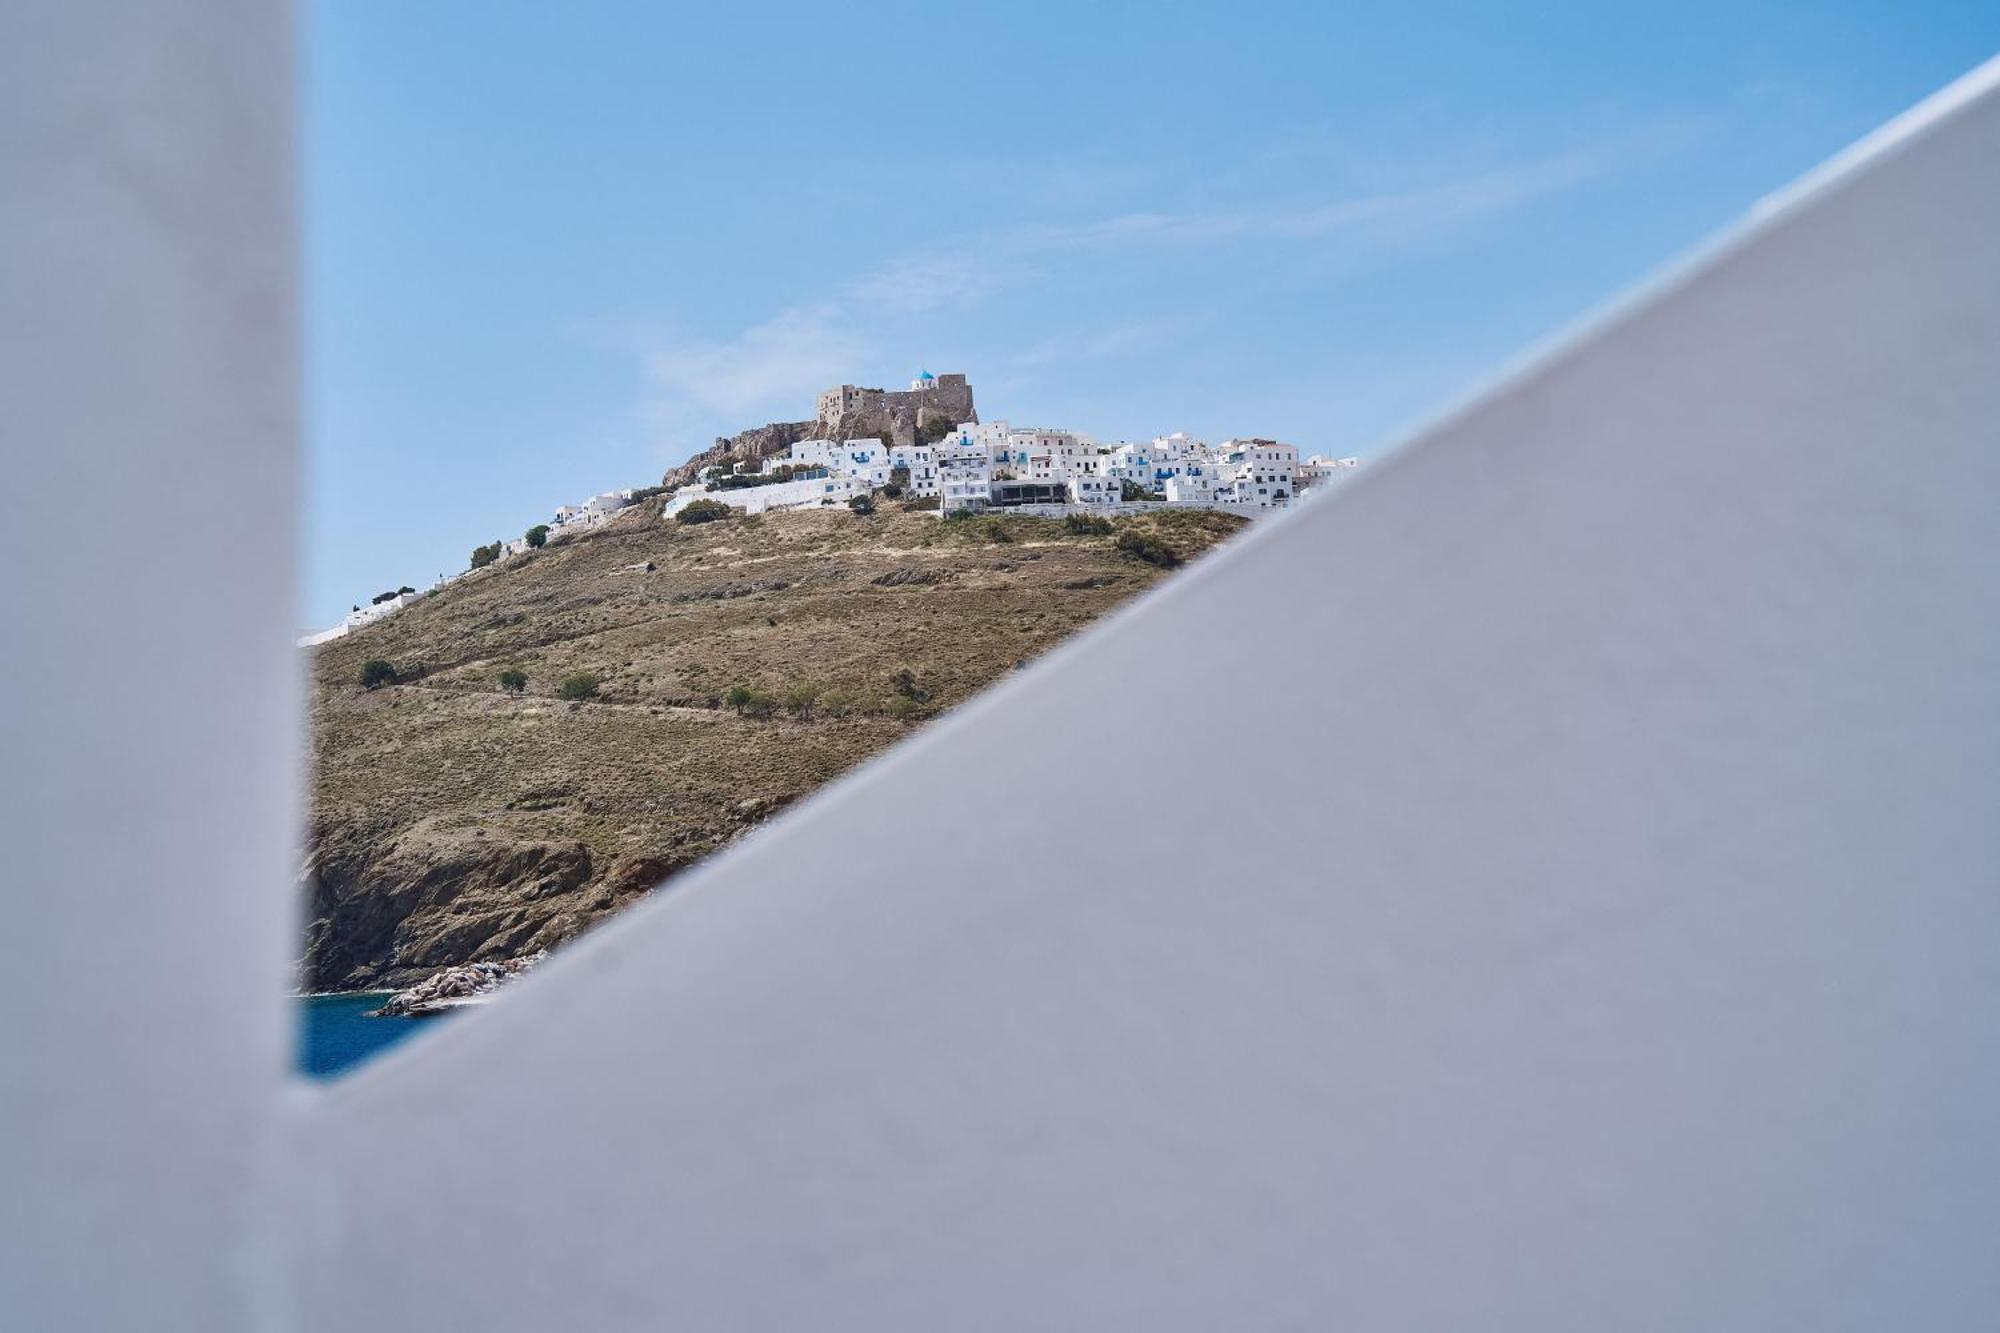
(927, 444)
(926, 448)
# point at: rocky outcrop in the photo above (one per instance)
(432, 897)
(750, 446)
(455, 988)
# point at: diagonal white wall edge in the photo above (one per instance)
(149, 702)
(1589, 922)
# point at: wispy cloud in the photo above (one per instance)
(697, 387)
(1108, 342)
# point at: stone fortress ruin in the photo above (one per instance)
(848, 412)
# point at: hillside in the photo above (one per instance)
(452, 821)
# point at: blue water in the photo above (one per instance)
(334, 1035)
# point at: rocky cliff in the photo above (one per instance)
(750, 445)
(453, 821)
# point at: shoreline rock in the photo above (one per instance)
(454, 988)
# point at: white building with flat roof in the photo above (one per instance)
(1089, 488)
(920, 462)
(374, 611)
(1259, 472)
(1317, 470)
(965, 478)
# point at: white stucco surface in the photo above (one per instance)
(149, 709)
(1606, 939)
(1602, 937)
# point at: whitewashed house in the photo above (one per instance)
(1089, 488)
(1263, 473)
(965, 478)
(1317, 470)
(920, 461)
(812, 453)
(388, 606)
(600, 507)
(1197, 488)
(865, 460)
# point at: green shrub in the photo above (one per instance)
(482, 556)
(375, 673)
(582, 685)
(836, 703)
(862, 505)
(703, 511)
(738, 697)
(979, 527)
(904, 683)
(1086, 525)
(902, 707)
(513, 680)
(537, 536)
(892, 491)
(759, 704)
(1150, 549)
(799, 700)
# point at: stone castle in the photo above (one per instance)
(848, 412)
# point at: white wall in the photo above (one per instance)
(149, 700)
(1606, 939)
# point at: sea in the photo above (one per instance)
(335, 1034)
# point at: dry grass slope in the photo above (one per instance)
(455, 821)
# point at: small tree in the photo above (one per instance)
(862, 505)
(930, 432)
(760, 704)
(738, 697)
(902, 707)
(892, 491)
(837, 703)
(582, 685)
(799, 700)
(703, 511)
(537, 536)
(513, 680)
(482, 556)
(375, 673)
(1131, 490)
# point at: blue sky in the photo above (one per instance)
(554, 249)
